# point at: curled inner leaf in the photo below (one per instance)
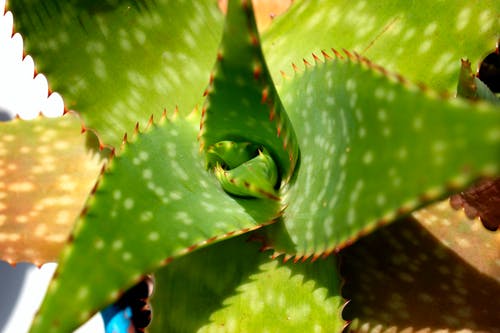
(244, 169)
(230, 154)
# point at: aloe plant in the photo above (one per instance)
(260, 170)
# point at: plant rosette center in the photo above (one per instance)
(244, 169)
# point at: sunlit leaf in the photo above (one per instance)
(423, 40)
(154, 203)
(47, 169)
(464, 236)
(117, 62)
(383, 147)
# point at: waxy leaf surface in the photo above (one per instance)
(155, 202)
(242, 103)
(117, 62)
(371, 148)
(423, 40)
(382, 146)
(242, 289)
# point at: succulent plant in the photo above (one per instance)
(292, 178)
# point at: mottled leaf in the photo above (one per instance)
(423, 39)
(382, 146)
(243, 290)
(154, 203)
(464, 236)
(116, 61)
(242, 103)
(47, 169)
(437, 272)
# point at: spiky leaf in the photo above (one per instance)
(155, 203)
(242, 290)
(382, 146)
(407, 37)
(436, 272)
(255, 178)
(242, 103)
(47, 169)
(115, 61)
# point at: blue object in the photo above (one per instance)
(117, 319)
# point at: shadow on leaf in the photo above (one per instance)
(402, 277)
(234, 284)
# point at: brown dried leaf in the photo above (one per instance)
(481, 200)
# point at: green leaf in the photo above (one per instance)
(243, 290)
(47, 169)
(409, 37)
(255, 178)
(242, 104)
(382, 147)
(435, 272)
(117, 62)
(154, 203)
(230, 154)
